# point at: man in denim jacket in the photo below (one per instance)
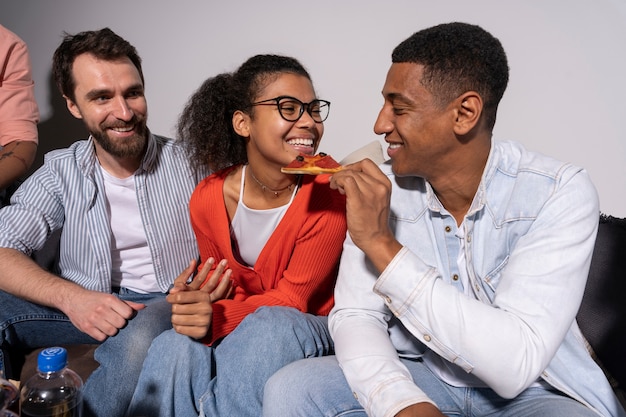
(466, 259)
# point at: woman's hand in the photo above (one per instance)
(192, 309)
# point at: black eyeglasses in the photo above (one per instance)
(291, 109)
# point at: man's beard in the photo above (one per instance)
(130, 147)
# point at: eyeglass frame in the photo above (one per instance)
(303, 107)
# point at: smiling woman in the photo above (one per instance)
(278, 236)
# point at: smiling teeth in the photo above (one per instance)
(300, 141)
(122, 129)
(394, 145)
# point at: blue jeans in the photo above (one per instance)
(317, 387)
(183, 377)
(108, 390)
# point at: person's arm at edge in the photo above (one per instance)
(19, 114)
(15, 160)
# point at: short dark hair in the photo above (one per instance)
(205, 126)
(103, 44)
(458, 57)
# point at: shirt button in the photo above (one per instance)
(455, 277)
(469, 238)
(388, 299)
(427, 338)
(355, 395)
(448, 228)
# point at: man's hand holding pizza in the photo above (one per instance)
(368, 194)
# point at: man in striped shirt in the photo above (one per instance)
(121, 200)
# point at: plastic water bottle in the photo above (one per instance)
(55, 390)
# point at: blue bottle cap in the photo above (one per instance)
(52, 359)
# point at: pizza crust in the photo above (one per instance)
(310, 170)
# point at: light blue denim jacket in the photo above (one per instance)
(529, 236)
(68, 192)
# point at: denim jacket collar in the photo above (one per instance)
(480, 198)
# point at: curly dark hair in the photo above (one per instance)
(205, 126)
(458, 57)
(103, 44)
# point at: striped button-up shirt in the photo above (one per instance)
(67, 192)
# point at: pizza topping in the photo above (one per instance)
(312, 164)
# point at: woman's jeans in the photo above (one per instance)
(183, 377)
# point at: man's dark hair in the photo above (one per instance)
(103, 44)
(458, 57)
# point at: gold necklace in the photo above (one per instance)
(266, 188)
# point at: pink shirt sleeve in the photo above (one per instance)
(18, 109)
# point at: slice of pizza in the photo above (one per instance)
(312, 165)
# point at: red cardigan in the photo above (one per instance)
(296, 268)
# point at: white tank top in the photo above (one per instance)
(250, 228)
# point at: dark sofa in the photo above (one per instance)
(602, 314)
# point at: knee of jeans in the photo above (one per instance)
(172, 345)
(279, 322)
(275, 317)
(286, 380)
(172, 340)
(288, 326)
(148, 324)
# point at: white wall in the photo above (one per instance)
(567, 59)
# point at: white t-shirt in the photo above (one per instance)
(131, 261)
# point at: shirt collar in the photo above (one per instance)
(480, 198)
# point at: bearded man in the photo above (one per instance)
(119, 199)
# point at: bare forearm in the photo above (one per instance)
(381, 251)
(420, 410)
(22, 277)
(15, 160)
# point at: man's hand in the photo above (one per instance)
(100, 315)
(368, 195)
(192, 309)
(421, 410)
